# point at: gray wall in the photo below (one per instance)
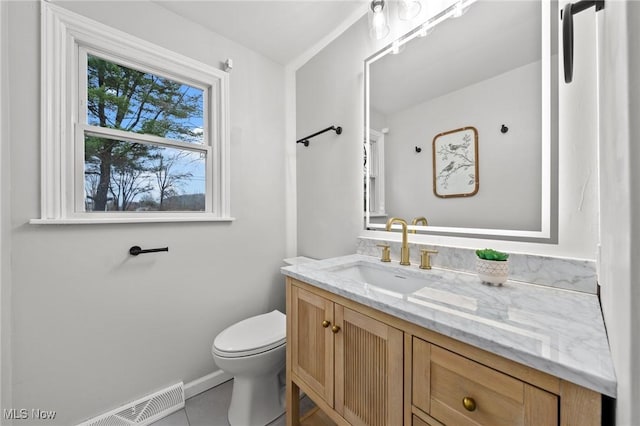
(93, 327)
(329, 180)
(619, 42)
(5, 241)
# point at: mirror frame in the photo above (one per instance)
(548, 232)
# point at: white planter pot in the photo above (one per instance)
(492, 271)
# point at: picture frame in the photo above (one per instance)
(455, 163)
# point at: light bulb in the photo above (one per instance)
(379, 27)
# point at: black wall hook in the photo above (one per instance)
(504, 129)
(136, 250)
(566, 15)
(418, 149)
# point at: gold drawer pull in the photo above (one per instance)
(326, 323)
(335, 328)
(469, 403)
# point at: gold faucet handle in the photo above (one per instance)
(425, 258)
(386, 253)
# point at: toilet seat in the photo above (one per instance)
(252, 336)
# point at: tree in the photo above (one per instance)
(91, 180)
(134, 101)
(167, 179)
(126, 184)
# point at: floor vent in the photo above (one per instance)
(143, 411)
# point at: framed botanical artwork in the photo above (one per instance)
(455, 163)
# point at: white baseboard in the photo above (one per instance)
(205, 383)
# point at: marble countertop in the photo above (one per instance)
(557, 331)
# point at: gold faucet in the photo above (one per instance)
(386, 253)
(404, 251)
(415, 221)
(425, 259)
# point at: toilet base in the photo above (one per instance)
(263, 396)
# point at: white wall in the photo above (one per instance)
(5, 243)
(93, 327)
(329, 172)
(378, 120)
(509, 164)
(619, 155)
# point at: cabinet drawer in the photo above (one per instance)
(458, 391)
(495, 398)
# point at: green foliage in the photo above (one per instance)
(491, 254)
(134, 101)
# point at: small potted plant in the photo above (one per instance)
(492, 266)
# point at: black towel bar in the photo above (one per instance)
(305, 141)
(136, 250)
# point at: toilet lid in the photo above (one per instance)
(252, 335)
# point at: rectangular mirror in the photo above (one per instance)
(493, 69)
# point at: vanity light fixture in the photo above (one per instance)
(424, 30)
(459, 9)
(396, 47)
(379, 19)
(408, 9)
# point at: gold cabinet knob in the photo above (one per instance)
(335, 328)
(469, 403)
(326, 323)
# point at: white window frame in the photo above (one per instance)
(375, 173)
(67, 38)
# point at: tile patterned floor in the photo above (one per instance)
(210, 409)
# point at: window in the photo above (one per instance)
(374, 174)
(131, 132)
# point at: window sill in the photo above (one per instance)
(105, 220)
(378, 214)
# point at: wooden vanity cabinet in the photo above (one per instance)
(351, 361)
(364, 367)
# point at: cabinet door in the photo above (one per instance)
(368, 370)
(312, 341)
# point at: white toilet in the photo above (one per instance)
(253, 351)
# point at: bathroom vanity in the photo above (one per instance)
(383, 344)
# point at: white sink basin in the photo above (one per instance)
(381, 277)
